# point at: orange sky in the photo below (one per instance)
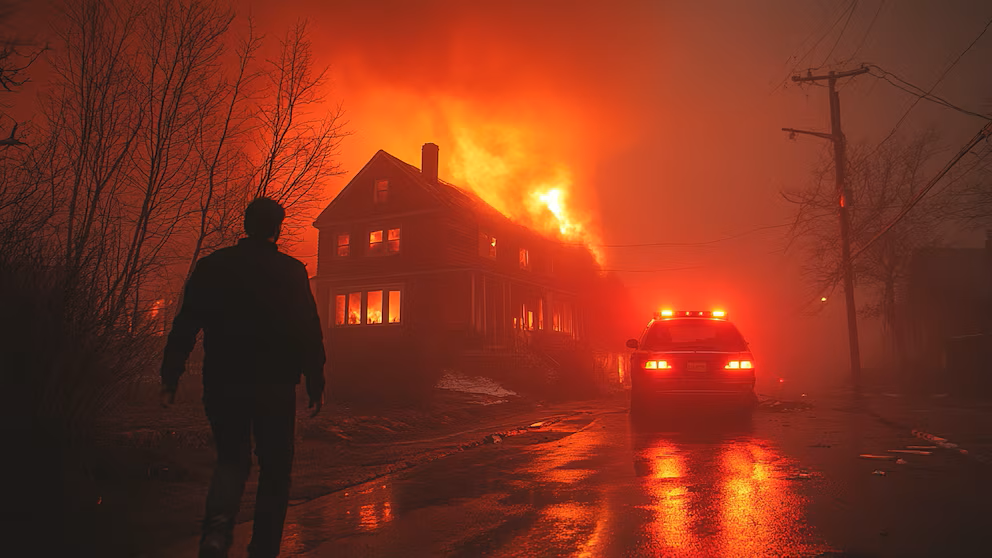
(665, 116)
(660, 119)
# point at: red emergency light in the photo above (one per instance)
(712, 314)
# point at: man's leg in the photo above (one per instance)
(274, 424)
(230, 419)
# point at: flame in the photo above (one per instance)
(500, 164)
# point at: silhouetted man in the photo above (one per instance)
(260, 332)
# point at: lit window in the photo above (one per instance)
(394, 307)
(375, 242)
(487, 245)
(530, 320)
(524, 258)
(354, 308)
(381, 191)
(344, 247)
(393, 236)
(540, 313)
(339, 309)
(373, 314)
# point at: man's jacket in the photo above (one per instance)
(258, 316)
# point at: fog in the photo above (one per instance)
(662, 119)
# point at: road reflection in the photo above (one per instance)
(365, 508)
(713, 488)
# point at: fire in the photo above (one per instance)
(499, 164)
(554, 201)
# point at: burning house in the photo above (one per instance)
(429, 273)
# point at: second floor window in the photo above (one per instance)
(344, 244)
(384, 241)
(375, 242)
(393, 238)
(487, 245)
(524, 258)
(381, 192)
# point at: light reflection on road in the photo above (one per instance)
(719, 493)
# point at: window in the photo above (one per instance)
(384, 241)
(339, 307)
(375, 242)
(394, 307)
(373, 314)
(540, 313)
(524, 258)
(344, 247)
(367, 307)
(487, 245)
(381, 191)
(354, 308)
(393, 236)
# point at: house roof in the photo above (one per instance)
(447, 194)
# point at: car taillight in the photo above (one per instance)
(739, 365)
(656, 365)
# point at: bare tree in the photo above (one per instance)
(297, 137)
(225, 122)
(882, 180)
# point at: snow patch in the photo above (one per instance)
(473, 384)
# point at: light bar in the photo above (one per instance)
(715, 314)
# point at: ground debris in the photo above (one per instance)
(783, 406)
(910, 451)
(879, 472)
(801, 474)
(873, 456)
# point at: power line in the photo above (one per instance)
(853, 8)
(865, 36)
(918, 91)
(688, 244)
(982, 134)
(935, 84)
(663, 270)
(812, 48)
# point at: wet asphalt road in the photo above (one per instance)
(594, 484)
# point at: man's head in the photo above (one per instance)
(263, 218)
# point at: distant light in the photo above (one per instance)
(781, 380)
(823, 299)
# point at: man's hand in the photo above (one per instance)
(316, 403)
(167, 397)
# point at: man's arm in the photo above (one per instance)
(185, 327)
(312, 341)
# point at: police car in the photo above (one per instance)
(690, 356)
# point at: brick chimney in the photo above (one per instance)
(428, 165)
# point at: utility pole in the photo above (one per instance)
(843, 201)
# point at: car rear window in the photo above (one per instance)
(685, 335)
